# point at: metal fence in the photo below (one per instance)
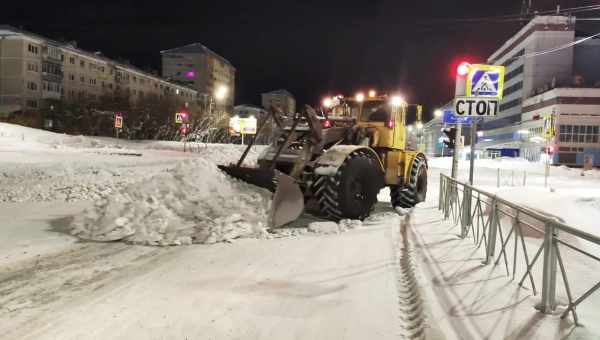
(510, 178)
(494, 223)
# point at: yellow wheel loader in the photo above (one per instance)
(336, 165)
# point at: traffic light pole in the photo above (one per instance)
(472, 160)
(459, 90)
(454, 173)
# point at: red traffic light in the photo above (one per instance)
(463, 69)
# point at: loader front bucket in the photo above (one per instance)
(264, 178)
(288, 200)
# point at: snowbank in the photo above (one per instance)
(42, 166)
(193, 203)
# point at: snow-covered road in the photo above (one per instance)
(340, 286)
(295, 284)
(359, 282)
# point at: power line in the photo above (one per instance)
(555, 49)
(519, 16)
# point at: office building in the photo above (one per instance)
(547, 72)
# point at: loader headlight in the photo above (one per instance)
(396, 101)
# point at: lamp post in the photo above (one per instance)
(220, 95)
(420, 146)
(51, 117)
(360, 98)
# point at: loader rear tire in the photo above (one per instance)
(415, 190)
(352, 192)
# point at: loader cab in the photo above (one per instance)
(383, 118)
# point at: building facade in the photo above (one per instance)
(543, 64)
(432, 138)
(577, 124)
(247, 110)
(35, 69)
(197, 66)
(281, 99)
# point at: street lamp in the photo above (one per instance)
(372, 93)
(438, 113)
(327, 102)
(221, 92)
(360, 97)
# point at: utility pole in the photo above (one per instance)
(459, 90)
(473, 139)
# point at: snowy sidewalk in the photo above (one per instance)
(469, 300)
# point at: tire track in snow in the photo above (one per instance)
(410, 303)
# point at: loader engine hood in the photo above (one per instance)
(331, 160)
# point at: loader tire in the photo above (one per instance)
(352, 192)
(415, 190)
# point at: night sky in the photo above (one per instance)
(309, 47)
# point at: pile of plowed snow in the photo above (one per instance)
(192, 203)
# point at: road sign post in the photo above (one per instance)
(549, 132)
(484, 90)
(118, 123)
(478, 92)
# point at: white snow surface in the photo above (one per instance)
(469, 300)
(192, 203)
(331, 280)
(147, 192)
(570, 196)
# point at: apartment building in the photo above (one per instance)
(546, 71)
(196, 66)
(34, 69)
(281, 99)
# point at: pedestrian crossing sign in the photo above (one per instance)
(485, 81)
(549, 126)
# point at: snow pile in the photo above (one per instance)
(192, 203)
(13, 135)
(58, 182)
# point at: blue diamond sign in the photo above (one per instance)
(485, 81)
